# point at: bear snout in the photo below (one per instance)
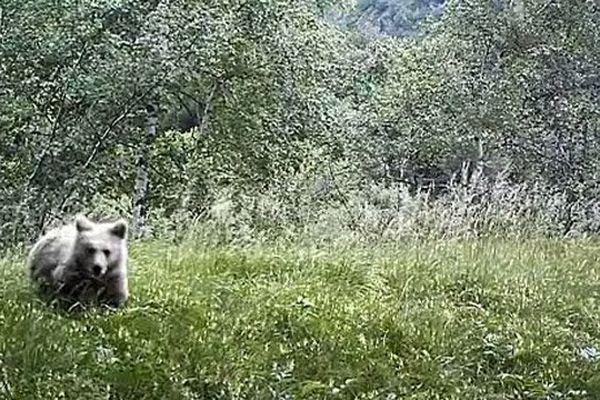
(97, 270)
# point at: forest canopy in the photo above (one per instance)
(385, 118)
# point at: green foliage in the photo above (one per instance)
(517, 80)
(251, 70)
(73, 75)
(249, 91)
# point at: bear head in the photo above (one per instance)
(99, 247)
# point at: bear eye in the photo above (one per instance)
(106, 252)
(90, 250)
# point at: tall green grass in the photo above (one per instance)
(436, 320)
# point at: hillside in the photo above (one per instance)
(391, 17)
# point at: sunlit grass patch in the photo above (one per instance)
(435, 320)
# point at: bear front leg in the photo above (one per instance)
(117, 290)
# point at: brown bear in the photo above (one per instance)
(83, 262)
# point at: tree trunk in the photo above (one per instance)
(192, 185)
(141, 192)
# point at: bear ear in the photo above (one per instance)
(119, 228)
(82, 223)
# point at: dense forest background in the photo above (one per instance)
(312, 119)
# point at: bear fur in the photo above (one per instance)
(83, 262)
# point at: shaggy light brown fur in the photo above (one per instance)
(83, 261)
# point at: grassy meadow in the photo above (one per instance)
(435, 320)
